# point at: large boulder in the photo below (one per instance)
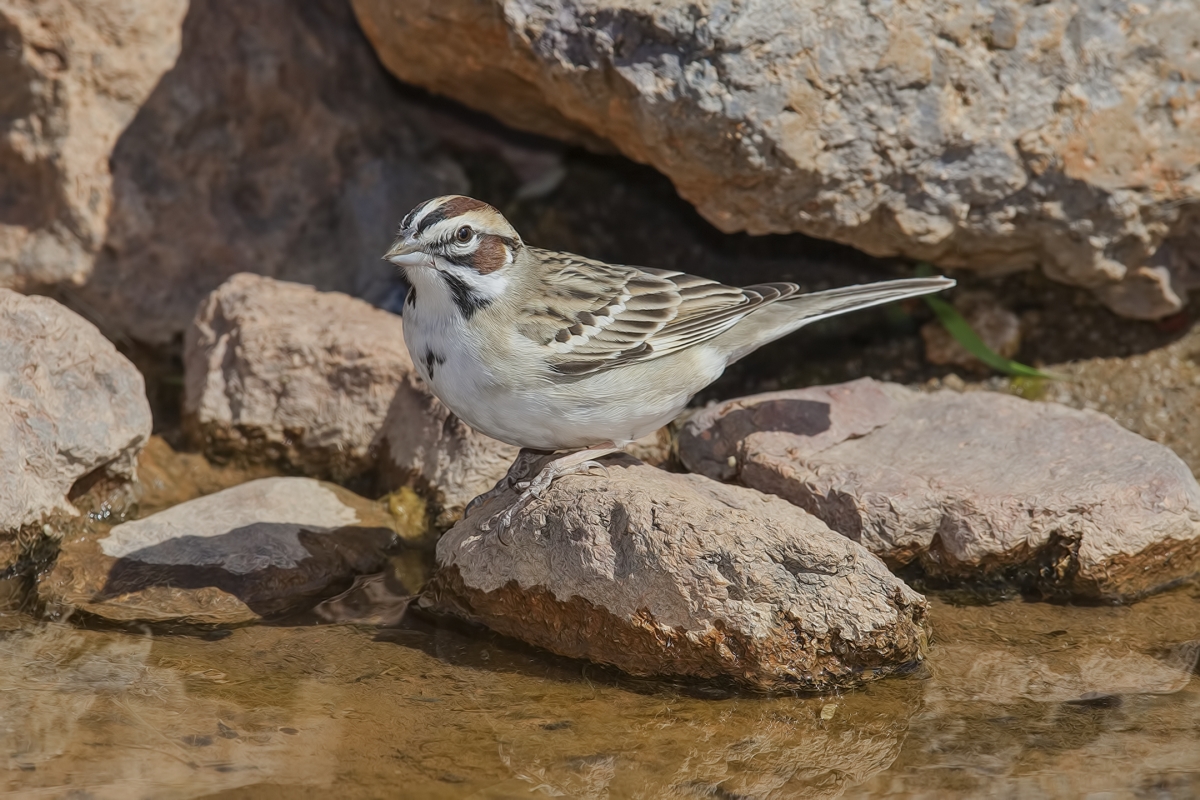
(665, 574)
(73, 416)
(75, 73)
(152, 149)
(279, 372)
(984, 136)
(256, 550)
(972, 487)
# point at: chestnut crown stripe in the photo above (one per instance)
(451, 208)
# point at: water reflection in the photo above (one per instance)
(1021, 700)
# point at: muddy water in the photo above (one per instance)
(1020, 700)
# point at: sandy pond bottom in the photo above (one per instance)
(1019, 700)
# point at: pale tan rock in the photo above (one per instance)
(992, 137)
(260, 549)
(150, 150)
(74, 74)
(971, 486)
(276, 371)
(665, 574)
(72, 411)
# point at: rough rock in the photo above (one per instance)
(73, 413)
(993, 136)
(424, 445)
(75, 73)
(999, 328)
(148, 155)
(665, 574)
(260, 549)
(279, 372)
(975, 486)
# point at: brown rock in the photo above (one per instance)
(280, 372)
(148, 155)
(73, 413)
(966, 136)
(664, 574)
(971, 486)
(261, 549)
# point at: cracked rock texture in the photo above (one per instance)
(995, 136)
(279, 372)
(150, 150)
(256, 550)
(971, 486)
(73, 411)
(665, 574)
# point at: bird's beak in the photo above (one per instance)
(405, 252)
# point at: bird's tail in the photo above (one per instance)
(792, 312)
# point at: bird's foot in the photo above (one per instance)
(534, 489)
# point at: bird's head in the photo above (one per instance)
(455, 233)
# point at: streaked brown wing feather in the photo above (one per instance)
(595, 316)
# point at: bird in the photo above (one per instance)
(558, 353)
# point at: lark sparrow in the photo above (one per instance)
(551, 351)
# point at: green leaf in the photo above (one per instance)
(965, 335)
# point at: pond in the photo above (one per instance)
(1018, 699)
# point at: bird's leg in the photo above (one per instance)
(569, 464)
(517, 478)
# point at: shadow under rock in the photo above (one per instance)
(273, 568)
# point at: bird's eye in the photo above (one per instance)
(464, 233)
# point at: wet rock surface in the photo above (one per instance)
(663, 574)
(73, 414)
(257, 550)
(918, 131)
(279, 372)
(969, 486)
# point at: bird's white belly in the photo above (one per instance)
(518, 405)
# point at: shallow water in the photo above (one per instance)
(1019, 700)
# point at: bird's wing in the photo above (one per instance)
(594, 316)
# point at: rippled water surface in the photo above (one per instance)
(1019, 700)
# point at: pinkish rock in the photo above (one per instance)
(677, 575)
(969, 486)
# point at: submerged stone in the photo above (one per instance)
(260, 549)
(662, 574)
(971, 487)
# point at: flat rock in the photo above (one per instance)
(677, 575)
(970, 486)
(260, 549)
(982, 136)
(73, 412)
(152, 148)
(280, 372)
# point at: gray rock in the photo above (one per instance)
(148, 155)
(983, 136)
(280, 372)
(972, 486)
(665, 574)
(73, 412)
(260, 549)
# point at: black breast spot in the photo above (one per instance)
(432, 362)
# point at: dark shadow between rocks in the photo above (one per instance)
(273, 568)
